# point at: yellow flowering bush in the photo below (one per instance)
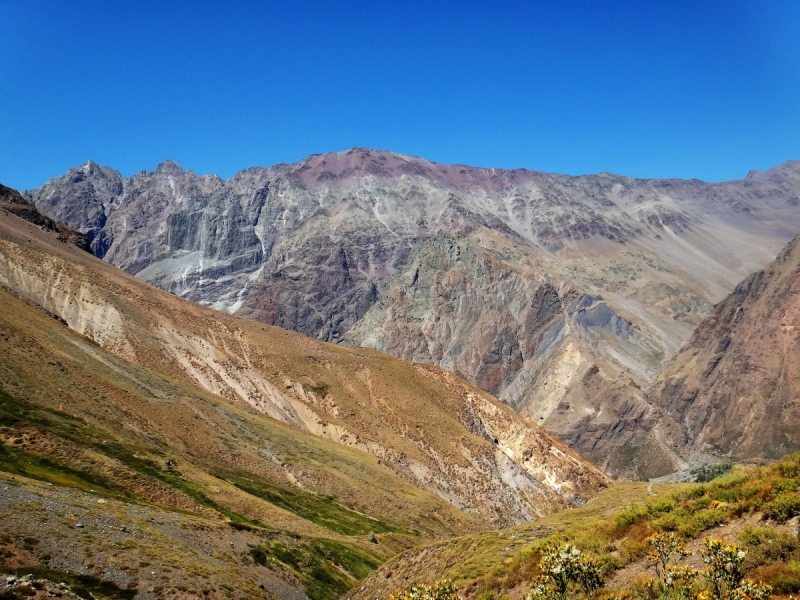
(726, 575)
(562, 565)
(662, 548)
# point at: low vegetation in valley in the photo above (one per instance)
(734, 537)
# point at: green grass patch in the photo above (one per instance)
(19, 462)
(322, 510)
(16, 412)
(326, 568)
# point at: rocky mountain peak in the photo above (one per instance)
(169, 167)
(90, 167)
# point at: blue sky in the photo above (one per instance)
(649, 89)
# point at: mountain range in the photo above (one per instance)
(566, 297)
(188, 451)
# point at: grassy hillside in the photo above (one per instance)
(80, 419)
(755, 507)
(241, 454)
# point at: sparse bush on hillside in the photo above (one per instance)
(679, 582)
(784, 578)
(788, 467)
(441, 590)
(782, 485)
(651, 510)
(663, 546)
(618, 539)
(784, 507)
(628, 516)
(725, 573)
(567, 573)
(688, 494)
(590, 576)
(693, 520)
(673, 581)
(766, 545)
(563, 565)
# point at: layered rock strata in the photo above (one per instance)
(552, 292)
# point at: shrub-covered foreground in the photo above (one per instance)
(567, 573)
(566, 570)
(580, 556)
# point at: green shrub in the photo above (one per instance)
(702, 521)
(655, 509)
(783, 578)
(632, 550)
(784, 507)
(732, 480)
(782, 485)
(755, 488)
(669, 522)
(789, 466)
(691, 493)
(29, 543)
(766, 545)
(785, 584)
(699, 504)
(628, 516)
(728, 496)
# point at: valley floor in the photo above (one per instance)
(757, 508)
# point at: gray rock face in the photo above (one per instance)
(519, 281)
(12, 202)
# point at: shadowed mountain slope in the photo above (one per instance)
(735, 387)
(12, 202)
(526, 284)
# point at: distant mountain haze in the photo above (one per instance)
(563, 296)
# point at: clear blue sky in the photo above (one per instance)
(649, 89)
